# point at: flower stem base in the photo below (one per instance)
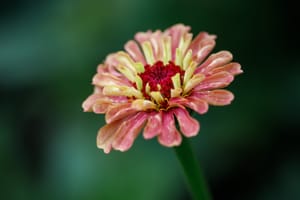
(194, 176)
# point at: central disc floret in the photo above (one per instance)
(158, 77)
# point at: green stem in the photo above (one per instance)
(192, 170)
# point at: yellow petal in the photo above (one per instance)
(147, 48)
(178, 59)
(158, 86)
(185, 41)
(122, 91)
(139, 67)
(176, 81)
(126, 60)
(189, 72)
(157, 96)
(141, 104)
(167, 49)
(139, 83)
(195, 80)
(187, 59)
(176, 92)
(147, 88)
(127, 72)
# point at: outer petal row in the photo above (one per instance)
(218, 80)
(87, 105)
(121, 133)
(202, 45)
(215, 97)
(162, 124)
(215, 60)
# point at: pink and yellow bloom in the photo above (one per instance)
(159, 77)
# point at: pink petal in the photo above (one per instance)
(188, 125)
(232, 68)
(102, 68)
(218, 80)
(195, 103)
(217, 97)
(177, 102)
(215, 60)
(102, 105)
(105, 79)
(87, 105)
(154, 126)
(119, 111)
(202, 45)
(143, 36)
(169, 134)
(111, 60)
(118, 99)
(109, 65)
(135, 52)
(106, 135)
(128, 131)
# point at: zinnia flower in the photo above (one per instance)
(159, 77)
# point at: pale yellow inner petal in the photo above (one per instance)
(139, 83)
(189, 72)
(125, 59)
(176, 92)
(142, 104)
(147, 48)
(178, 58)
(157, 96)
(185, 41)
(187, 59)
(127, 72)
(113, 90)
(167, 56)
(176, 81)
(195, 80)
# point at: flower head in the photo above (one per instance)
(158, 77)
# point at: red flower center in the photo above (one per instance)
(158, 76)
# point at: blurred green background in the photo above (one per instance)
(49, 51)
